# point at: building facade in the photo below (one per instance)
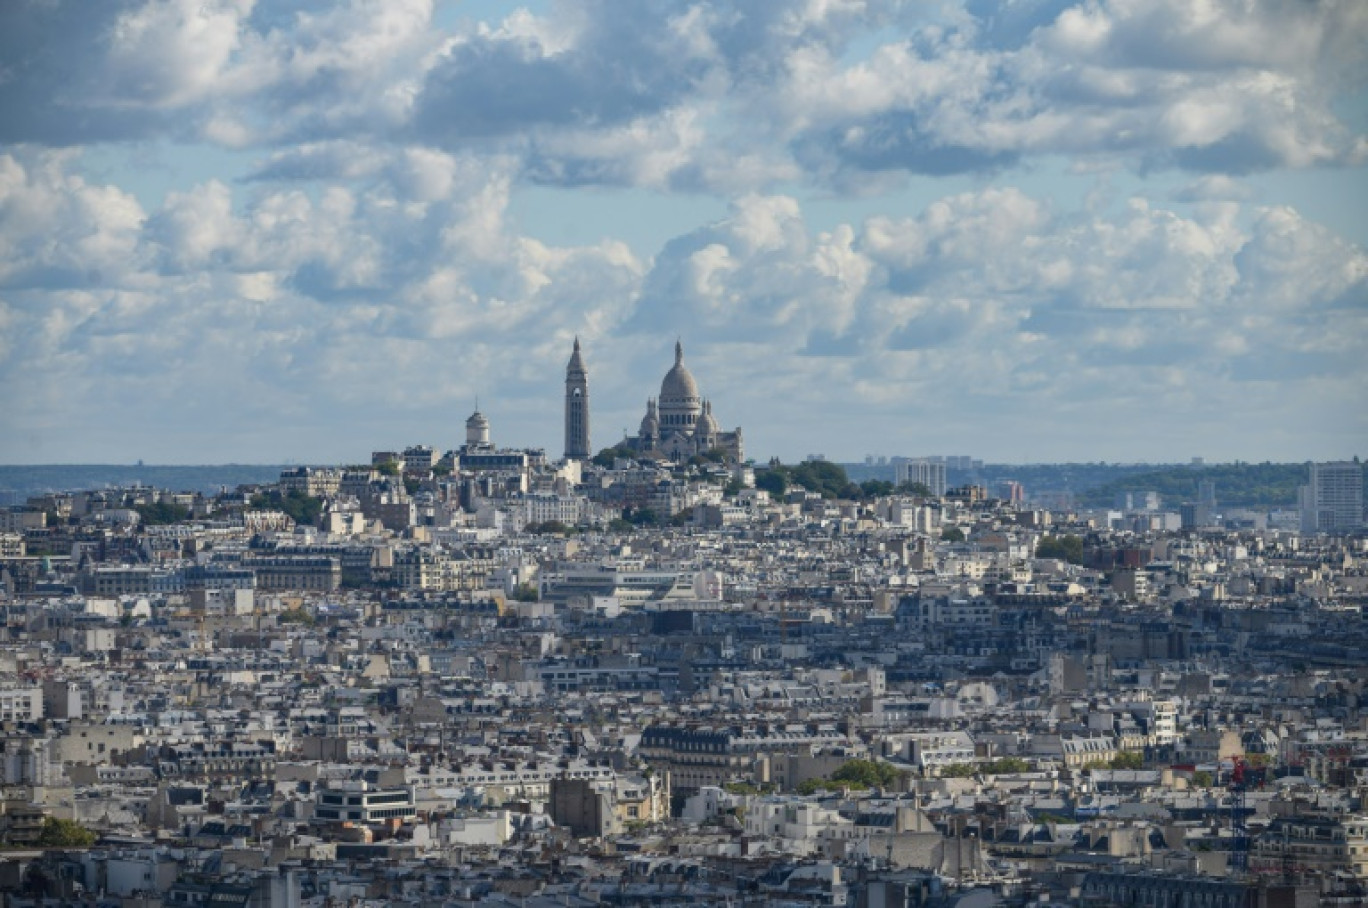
(1333, 498)
(680, 423)
(927, 472)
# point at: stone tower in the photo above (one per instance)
(576, 407)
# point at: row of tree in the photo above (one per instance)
(828, 480)
(855, 774)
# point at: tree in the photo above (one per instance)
(952, 534)
(875, 488)
(162, 512)
(1000, 766)
(821, 476)
(854, 774)
(56, 833)
(640, 516)
(607, 456)
(867, 774)
(302, 509)
(388, 468)
(526, 592)
(772, 481)
(1066, 548)
(618, 525)
(919, 489)
(1201, 779)
(1126, 760)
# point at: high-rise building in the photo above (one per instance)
(576, 406)
(1333, 498)
(927, 472)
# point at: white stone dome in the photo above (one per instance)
(679, 384)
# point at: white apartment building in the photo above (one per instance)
(21, 704)
(1333, 498)
(927, 472)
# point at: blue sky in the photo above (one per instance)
(1038, 230)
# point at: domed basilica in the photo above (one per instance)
(677, 425)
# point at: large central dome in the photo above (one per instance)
(680, 403)
(679, 382)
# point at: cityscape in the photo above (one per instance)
(659, 672)
(800, 453)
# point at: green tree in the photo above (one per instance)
(821, 476)
(1000, 766)
(875, 488)
(302, 509)
(640, 516)
(773, 481)
(1067, 548)
(618, 525)
(854, 774)
(1201, 779)
(607, 456)
(388, 468)
(1126, 760)
(56, 833)
(919, 489)
(161, 513)
(298, 616)
(526, 592)
(867, 774)
(952, 534)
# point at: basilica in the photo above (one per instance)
(677, 426)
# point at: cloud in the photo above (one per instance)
(57, 230)
(1064, 313)
(662, 94)
(369, 246)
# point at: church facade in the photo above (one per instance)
(678, 425)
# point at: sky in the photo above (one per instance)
(1028, 231)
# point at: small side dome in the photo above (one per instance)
(650, 423)
(705, 424)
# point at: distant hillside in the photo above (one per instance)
(1245, 485)
(1036, 477)
(35, 479)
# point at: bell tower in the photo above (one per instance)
(576, 407)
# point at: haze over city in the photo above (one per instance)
(1031, 231)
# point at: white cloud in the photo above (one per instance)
(370, 247)
(58, 230)
(169, 53)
